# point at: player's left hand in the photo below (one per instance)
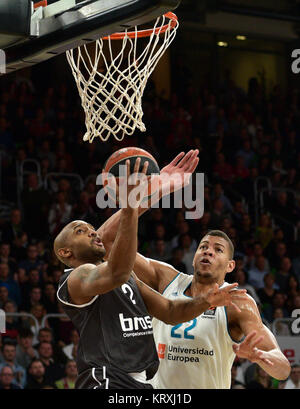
(248, 349)
(177, 173)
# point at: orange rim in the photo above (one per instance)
(146, 33)
(42, 3)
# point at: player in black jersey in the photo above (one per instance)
(112, 309)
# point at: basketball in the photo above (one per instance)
(118, 158)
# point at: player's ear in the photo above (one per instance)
(231, 266)
(64, 252)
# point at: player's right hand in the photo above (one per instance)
(219, 297)
(134, 187)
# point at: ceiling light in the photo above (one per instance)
(241, 38)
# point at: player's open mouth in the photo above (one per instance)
(205, 261)
(98, 242)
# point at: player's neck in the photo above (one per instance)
(78, 263)
(198, 288)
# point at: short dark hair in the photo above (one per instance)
(8, 343)
(33, 361)
(25, 333)
(219, 233)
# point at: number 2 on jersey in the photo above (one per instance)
(126, 288)
(177, 334)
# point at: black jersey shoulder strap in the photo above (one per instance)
(63, 293)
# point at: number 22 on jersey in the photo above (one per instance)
(178, 332)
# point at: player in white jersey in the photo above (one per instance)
(199, 353)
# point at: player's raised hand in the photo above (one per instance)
(248, 349)
(218, 297)
(177, 173)
(133, 188)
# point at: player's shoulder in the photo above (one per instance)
(178, 279)
(80, 273)
(248, 307)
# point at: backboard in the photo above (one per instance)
(30, 34)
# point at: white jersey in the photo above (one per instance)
(196, 354)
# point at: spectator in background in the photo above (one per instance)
(69, 349)
(218, 193)
(19, 246)
(264, 231)
(185, 242)
(59, 214)
(235, 384)
(13, 228)
(160, 251)
(177, 260)
(35, 296)
(241, 171)
(261, 380)
(7, 378)
(82, 210)
(6, 258)
(240, 277)
(35, 201)
(36, 375)
(9, 359)
(247, 154)
(292, 291)
(32, 281)
(182, 227)
(282, 276)
(281, 328)
(43, 251)
(3, 294)
(278, 301)
(38, 311)
(56, 275)
(44, 152)
(24, 349)
(257, 250)
(217, 213)
(257, 273)
(68, 382)
(293, 382)
(222, 169)
(47, 335)
(246, 231)
(296, 262)
(238, 212)
(50, 299)
(267, 292)
(12, 323)
(12, 286)
(32, 261)
(53, 370)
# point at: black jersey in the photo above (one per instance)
(115, 329)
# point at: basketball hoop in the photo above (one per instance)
(112, 99)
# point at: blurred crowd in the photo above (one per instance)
(48, 177)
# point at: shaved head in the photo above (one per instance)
(61, 241)
(78, 242)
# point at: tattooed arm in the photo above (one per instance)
(88, 280)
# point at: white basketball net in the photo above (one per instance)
(112, 99)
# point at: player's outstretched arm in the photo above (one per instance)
(89, 280)
(173, 177)
(260, 345)
(177, 311)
